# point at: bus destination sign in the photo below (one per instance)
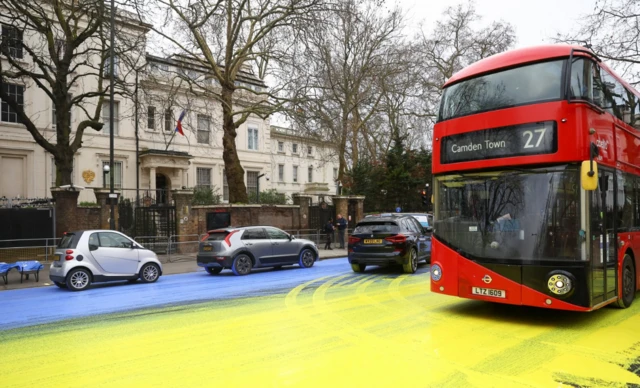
(518, 140)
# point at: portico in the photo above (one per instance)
(163, 171)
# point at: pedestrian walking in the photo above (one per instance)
(328, 229)
(342, 227)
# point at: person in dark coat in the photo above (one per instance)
(342, 227)
(328, 229)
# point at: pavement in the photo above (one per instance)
(171, 265)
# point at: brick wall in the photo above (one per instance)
(88, 217)
(284, 217)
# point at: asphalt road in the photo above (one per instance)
(25, 307)
(324, 326)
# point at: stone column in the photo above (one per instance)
(184, 178)
(102, 197)
(341, 204)
(186, 218)
(152, 178)
(359, 206)
(304, 201)
(66, 210)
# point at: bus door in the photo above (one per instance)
(603, 247)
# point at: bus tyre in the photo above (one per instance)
(412, 263)
(358, 267)
(628, 283)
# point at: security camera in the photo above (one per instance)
(267, 177)
(105, 168)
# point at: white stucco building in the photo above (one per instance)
(294, 164)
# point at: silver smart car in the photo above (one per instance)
(89, 256)
(242, 249)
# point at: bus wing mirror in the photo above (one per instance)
(589, 175)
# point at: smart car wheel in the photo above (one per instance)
(78, 279)
(149, 273)
(307, 258)
(241, 265)
(61, 285)
(358, 267)
(213, 270)
(412, 263)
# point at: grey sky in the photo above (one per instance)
(535, 21)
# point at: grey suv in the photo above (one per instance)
(242, 249)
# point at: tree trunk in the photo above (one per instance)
(233, 168)
(64, 166)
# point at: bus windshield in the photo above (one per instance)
(527, 84)
(526, 215)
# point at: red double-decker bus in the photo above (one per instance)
(536, 162)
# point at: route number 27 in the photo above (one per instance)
(530, 136)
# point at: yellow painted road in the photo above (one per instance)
(353, 330)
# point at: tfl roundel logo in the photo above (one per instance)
(487, 279)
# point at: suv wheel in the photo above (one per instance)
(78, 279)
(307, 258)
(412, 263)
(358, 267)
(241, 265)
(149, 273)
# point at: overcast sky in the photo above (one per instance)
(535, 21)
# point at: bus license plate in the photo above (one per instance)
(373, 241)
(489, 292)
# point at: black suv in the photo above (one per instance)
(389, 239)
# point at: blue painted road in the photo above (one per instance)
(32, 306)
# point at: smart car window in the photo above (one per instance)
(66, 241)
(93, 239)
(276, 234)
(254, 234)
(113, 240)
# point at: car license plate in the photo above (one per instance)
(489, 292)
(373, 241)
(207, 248)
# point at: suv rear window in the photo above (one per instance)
(377, 227)
(216, 236)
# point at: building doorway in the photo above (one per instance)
(162, 189)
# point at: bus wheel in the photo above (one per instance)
(628, 283)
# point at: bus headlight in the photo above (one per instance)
(436, 272)
(559, 284)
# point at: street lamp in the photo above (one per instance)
(105, 171)
(112, 221)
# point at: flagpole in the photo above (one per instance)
(170, 140)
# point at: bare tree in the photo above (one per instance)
(612, 31)
(228, 38)
(455, 42)
(347, 57)
(61, 48)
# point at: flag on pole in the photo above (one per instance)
(179, 124)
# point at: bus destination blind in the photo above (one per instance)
(519, 140)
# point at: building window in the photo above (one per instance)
(203, 129)
(11, 41)
(54, 117)
(203, 176)
(225, 187)
(295, 174)
(294, 148)
(16, 93)
(252, 183)
(253, 139)
(151, 118)
(281, 173)
(310, 174)
(105, 117)
(280, 146)
(309, 151)
(107, 67)
(61, 47)
(167, 120)
(117, 175)
(53, 172)
(335, 174)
